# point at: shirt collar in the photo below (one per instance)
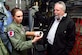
(63, 16)
(16, 23)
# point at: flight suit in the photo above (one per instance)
(17, 36)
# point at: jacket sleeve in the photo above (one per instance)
(21, 45)
(70, 36)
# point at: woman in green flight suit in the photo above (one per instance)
(17, 34)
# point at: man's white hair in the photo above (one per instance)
(63, 6)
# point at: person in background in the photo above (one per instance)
(9, 18)
(17, 34)
(61, 32)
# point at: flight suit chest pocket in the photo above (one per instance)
(22, 31)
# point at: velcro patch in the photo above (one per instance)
(11, 33)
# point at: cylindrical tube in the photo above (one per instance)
(34, 33)
(30, 33)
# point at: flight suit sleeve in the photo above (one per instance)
(18, 42)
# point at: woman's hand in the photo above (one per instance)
(38, 36)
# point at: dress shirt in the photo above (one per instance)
(52, 31)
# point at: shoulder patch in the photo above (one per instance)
(10, 33)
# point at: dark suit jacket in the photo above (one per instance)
(64, 37)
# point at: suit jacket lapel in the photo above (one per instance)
(51, 23)
(60, 24)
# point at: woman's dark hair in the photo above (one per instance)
(14, 10)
